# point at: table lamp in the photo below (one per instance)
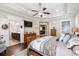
(74, 29)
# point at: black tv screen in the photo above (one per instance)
(27, 24)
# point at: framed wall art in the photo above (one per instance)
(66, 26)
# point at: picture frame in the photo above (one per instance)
(4, 26)
(65, 26)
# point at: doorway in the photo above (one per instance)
(43, 28)
(14, 32)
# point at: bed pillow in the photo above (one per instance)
(66, 38)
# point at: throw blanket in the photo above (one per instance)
(46, 45)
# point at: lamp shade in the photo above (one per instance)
(74, 29)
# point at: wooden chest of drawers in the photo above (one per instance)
(53, 32)
(16, 36)
(29, 37)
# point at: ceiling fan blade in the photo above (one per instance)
(44, 8)
(34, 10)
(35, 14)
(46, 12)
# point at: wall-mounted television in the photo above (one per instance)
(27, 24)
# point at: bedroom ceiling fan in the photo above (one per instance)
(41, 11)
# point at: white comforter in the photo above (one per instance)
(37, 42)
(61, 48)
(73, 41)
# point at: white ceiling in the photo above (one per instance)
(57, 10)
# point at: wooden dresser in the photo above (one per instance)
(15, 36)
(29, 37)
(53, 32)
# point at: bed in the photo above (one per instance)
(44, 45)
(48, 46)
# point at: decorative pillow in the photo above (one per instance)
(62, 36)
(66, 38)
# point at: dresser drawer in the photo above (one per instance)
(29, 37)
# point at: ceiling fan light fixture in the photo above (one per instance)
(40, 13)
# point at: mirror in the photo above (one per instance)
(4, 26)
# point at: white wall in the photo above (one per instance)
(77, 20)
(36, 24)
(15, 26)
(4, 32)
(35, 28)
(57, 24)
(6, 18)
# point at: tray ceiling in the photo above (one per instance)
(57, 10)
